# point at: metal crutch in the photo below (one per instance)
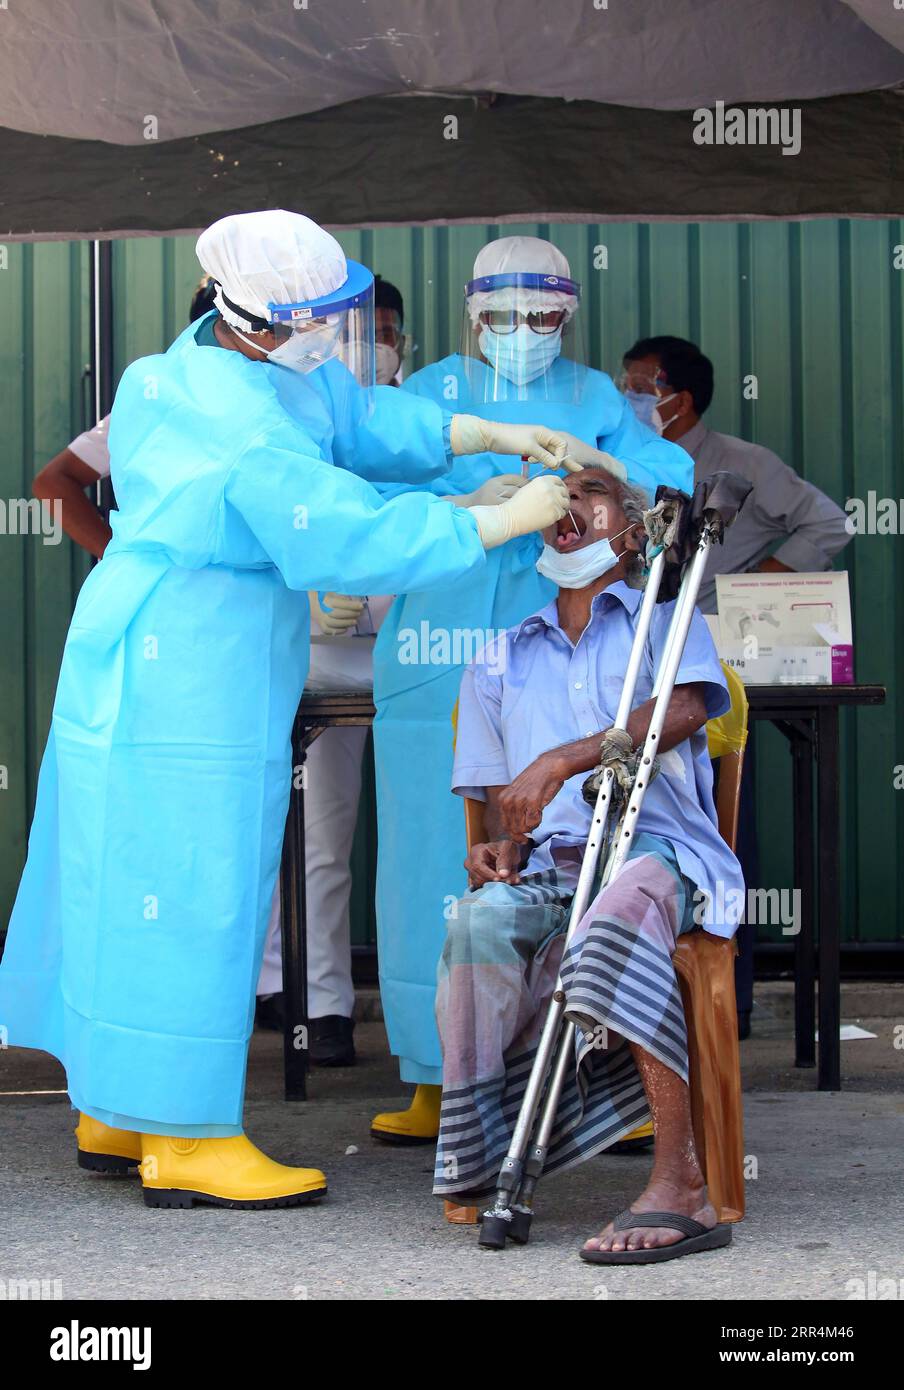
(535, 1162)
(512, 1213)
(505, 1219)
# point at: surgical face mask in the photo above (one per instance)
(646, 407)
(387, 362)
(577, 569)
(303, 352)
(521, 356)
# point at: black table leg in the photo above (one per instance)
(293, 923)
(829, 879)
(804, 945)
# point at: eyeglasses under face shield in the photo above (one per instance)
(521, 339)
(510, 320)
(640, 378)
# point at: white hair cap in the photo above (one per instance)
(524, 255)
(278, 257)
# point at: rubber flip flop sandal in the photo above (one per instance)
(696, 1239)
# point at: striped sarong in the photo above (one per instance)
(498, 970)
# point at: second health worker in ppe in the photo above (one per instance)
(520, 358)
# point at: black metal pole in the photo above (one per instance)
(101, 281)
(829, 854)
(293, 927)
(804, 945)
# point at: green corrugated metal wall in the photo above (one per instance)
(43, 353)
(814, 310)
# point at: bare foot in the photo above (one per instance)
(659, 1195)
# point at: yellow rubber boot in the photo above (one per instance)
(419, 1124)
(230, 1172)
(105, 1150)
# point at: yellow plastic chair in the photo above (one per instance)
(727, 739)
(704, 965)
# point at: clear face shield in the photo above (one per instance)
(521, 339)
(645, 386)
(331, 340)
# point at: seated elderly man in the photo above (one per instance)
(532, 712)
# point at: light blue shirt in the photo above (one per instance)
(532, 690)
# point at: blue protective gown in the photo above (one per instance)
(136, 937)
(421, 823)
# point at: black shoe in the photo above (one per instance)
(269, 1012)
(743, 1024)
(332, 1041)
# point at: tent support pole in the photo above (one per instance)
(101, 286)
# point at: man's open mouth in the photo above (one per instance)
(566, 535)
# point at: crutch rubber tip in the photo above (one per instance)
(519, 1227)
(493, 1231)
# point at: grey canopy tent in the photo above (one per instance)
(120, 118)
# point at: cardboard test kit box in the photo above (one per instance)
(785, 629)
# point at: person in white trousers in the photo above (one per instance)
(340, 660)
(332, 793)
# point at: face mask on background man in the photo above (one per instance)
(387, 362)
(646, 407)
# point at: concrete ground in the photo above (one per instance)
(825, 1208)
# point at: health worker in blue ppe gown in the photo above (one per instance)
(521, 357)
(240, 460)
